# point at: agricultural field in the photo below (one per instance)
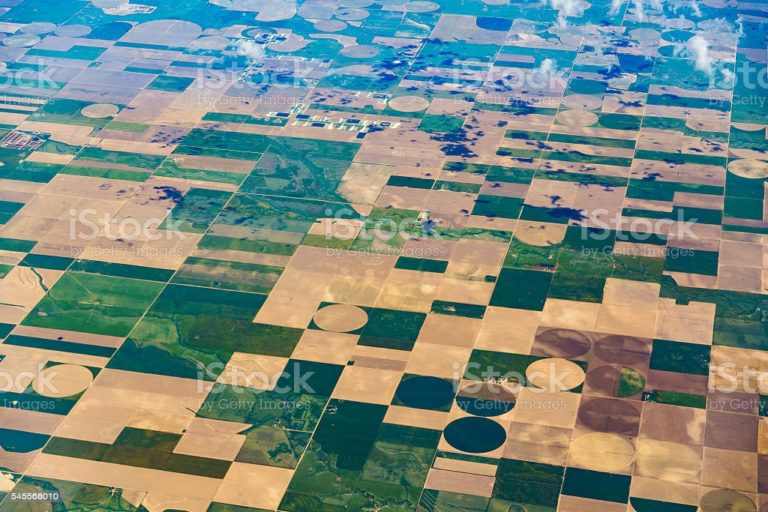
(384, 255)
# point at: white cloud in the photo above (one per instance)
(567, 9)
(547, 66)
(693, 5)
(729, 78)
(109, 4)
(251, 50)
(122, 7)
(698, 49)
(696, 8)
(639, 10)
(544, 76)
(615, 6)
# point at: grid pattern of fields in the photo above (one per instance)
(383, 255)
